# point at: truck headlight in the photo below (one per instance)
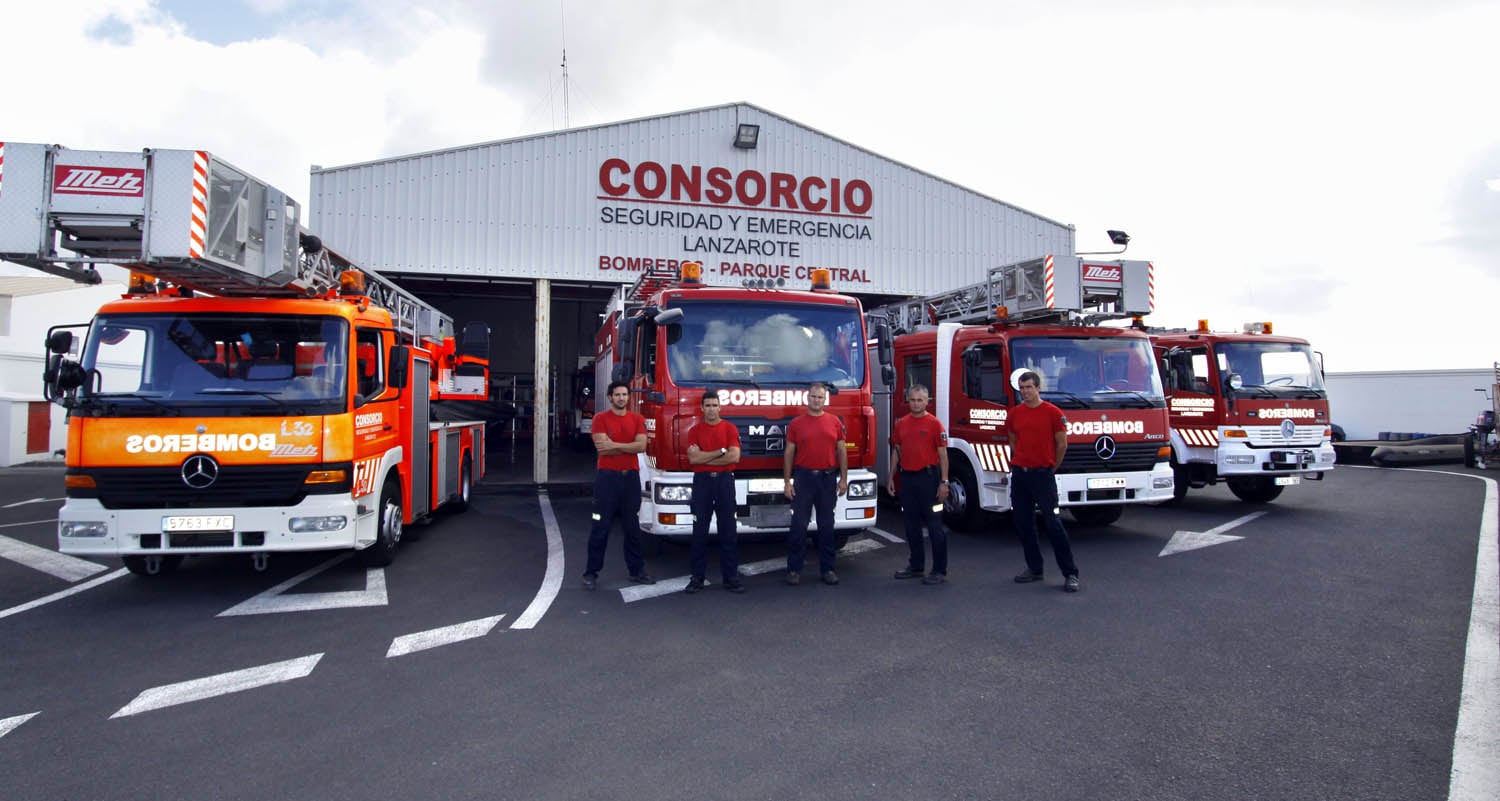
(674, 493)
(86, 528)
(303, 525)
(1241, 458)
(1161, 482)
(862, 489)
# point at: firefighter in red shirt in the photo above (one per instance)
(919, 451)
(713, 449)
(618, 436)
(1038, 440)
(816, 471)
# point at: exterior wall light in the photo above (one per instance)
(747, 136)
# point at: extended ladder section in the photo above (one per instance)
(1062, 289)
(182, 216)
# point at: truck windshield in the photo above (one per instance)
(1091, 372)
(1280, 368)
(214, 365)
(762, 343)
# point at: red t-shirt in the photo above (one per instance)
(622, 429)
(919, 439)
(1031, 434)
(817, 439)
(710, 438)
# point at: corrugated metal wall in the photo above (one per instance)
(538, 207)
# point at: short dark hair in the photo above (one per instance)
(614, 384)
(823, 385)
(1030, 375)
(917, 388)
(708, 394)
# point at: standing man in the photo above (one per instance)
(713, 450)
(618, 436)
(919, 450)
(816, 471)
(1038, 439)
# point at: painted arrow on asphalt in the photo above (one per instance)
(8, 725)
(1193, 540)
(277, 599)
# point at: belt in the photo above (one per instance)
(620, 472)
(927, 469)
(1015, 469)
(830, 471)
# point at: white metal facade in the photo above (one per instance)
(590, 204)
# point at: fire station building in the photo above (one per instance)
(534, 235)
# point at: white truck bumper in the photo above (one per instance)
(87, 528)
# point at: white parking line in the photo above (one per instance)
(886, 535)
(447, 635)
(276, 600)
(67, 568)
(8, 725)
(30, 500)
(637, 592)
(222, 684)
(552, 579)
(57, 596)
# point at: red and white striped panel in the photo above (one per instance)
(1049, 280)
(1150, 286)
(994, 458)
(1200, 437)
(200, 205)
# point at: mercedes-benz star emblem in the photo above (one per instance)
(1104, 447)
(200, 471)
(1288, 429)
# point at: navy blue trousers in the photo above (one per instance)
(617, 494)
(713, 493)
(918, 495)
(816, 490)
(1032, 492)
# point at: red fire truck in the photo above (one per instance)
(254, 391)
(1247, 408)
(969, 347)
(757, 346)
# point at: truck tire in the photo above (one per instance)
(840, 539)
(465, 485)
(1469, 458)
(1255, 489)
(961, 511)
(1101, 515)
(650, 544)
(388, 536)
(143, 566)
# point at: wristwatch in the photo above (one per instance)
(723, 451)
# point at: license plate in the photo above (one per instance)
(767, 485)
(770, 516)
(1287, 481)
(1116, 482)
(197, 523)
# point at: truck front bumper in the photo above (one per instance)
(762, 510)
(319, 522)
(1085, 489)
(1239, 459)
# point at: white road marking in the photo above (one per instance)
(887, 536)
(8, 725)
(31, 500)
(273, 600)
(67, 568)
(447, 635)
(638, 592)
(553, 578)
(222, 684)
(57, 596)
(1192, 540)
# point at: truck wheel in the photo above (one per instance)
(650, 544)
(961, 511)
(465, 485)
(1180, 483)
(1101, 515)
(152, 565)
(1469, 460)
(840, 539)
(1258, 489)
(383, 552)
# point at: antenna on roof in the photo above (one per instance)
(563, 14)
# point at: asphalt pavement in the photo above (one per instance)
(1316, 651)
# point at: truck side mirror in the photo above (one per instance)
(885, 351)
(60, 342)
(400, 371)
(887, 374)
(476, 341)
(972, 360)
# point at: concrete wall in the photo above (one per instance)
(1418, 401)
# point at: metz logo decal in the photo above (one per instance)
(1103, 273)
(112, 181)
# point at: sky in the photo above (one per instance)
(1332, 166)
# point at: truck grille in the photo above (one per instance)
(237, 485)
(1130, 457)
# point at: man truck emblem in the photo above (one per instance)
(1104, 447)
(200, 471)
(1288, 429)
